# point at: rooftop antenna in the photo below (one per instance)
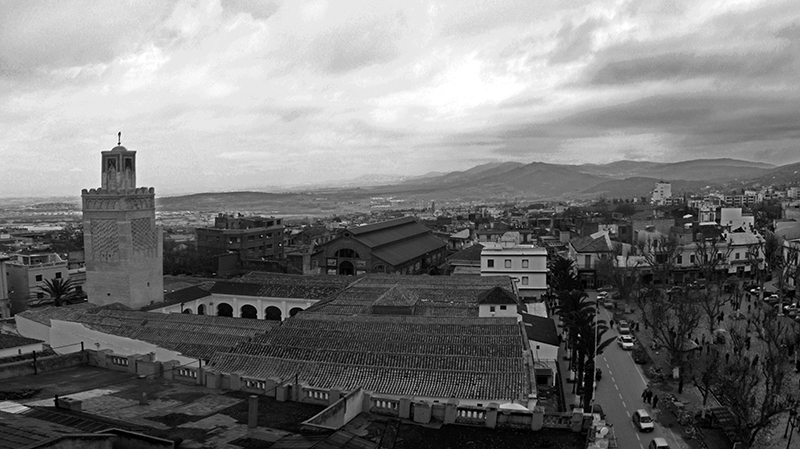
(119, 138)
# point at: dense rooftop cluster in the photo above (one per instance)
(339, 343)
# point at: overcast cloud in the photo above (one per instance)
(226, 95)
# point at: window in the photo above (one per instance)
(491, 309)
(691, 258)
(38, 278)
(58, 275)
(524, 263)
(524, 280)
(39, 295)
(737, 256)
(679, 260)
(502, 307)
(508, 263)
(490, 263)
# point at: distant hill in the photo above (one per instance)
(498, 182)
(783, 175)
(694, 170)
(641, 186)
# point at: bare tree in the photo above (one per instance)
(754, 384)
(621, 271)
(674, 317)
(710, 259)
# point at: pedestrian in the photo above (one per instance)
(611, 322)
(727, 356)
(748, 307)
(649, 396)
(644, 395)
(655, 401)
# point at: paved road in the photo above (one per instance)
(619, 392)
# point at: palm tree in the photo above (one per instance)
(59, 290)
(563, 275)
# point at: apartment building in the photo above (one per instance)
(26, 273)
(525, 264)
(250, 237)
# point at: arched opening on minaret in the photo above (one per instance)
(201, 309)
(294, 311)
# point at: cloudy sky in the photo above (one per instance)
(224, 95)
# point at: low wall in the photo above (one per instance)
(337, 414)
(43, 365)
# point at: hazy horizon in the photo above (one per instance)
(222, 95)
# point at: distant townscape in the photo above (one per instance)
(509, 305)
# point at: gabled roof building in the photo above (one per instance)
(401, 246)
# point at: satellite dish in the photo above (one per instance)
(604, 431)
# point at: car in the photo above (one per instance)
(755, 291)
(623, 327)
(658, 443)
(643, 421)
(602, 295)
(597, 410)
(771, 299)
(606, 288)
(616, 295)
(625, 342)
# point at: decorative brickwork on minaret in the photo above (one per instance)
(121, 240)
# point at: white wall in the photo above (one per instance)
(237, 302)
(71, 333)
(484, 311)
(20, 350)
(32, 329)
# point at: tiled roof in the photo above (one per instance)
(497, 295)
(541, 329)
(42, 315)
(8, 341)
(590, 245)
(374, 227)
(197, 336)
(411, 248)
(186, 294)
(440, 353)
(471, 253)
(397, 296)
(282, 287)
(444, 291)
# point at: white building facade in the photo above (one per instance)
(525, 264)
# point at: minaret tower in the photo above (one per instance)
(121, 241)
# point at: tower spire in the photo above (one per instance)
(119, 138)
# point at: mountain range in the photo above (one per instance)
(503, 181)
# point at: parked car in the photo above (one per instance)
(643, 421)
(623, 327)
(597, 410)
(616, 295)
(658, 443)
(771, 299)
(602, 295)
(606, 288)
(625, 342)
